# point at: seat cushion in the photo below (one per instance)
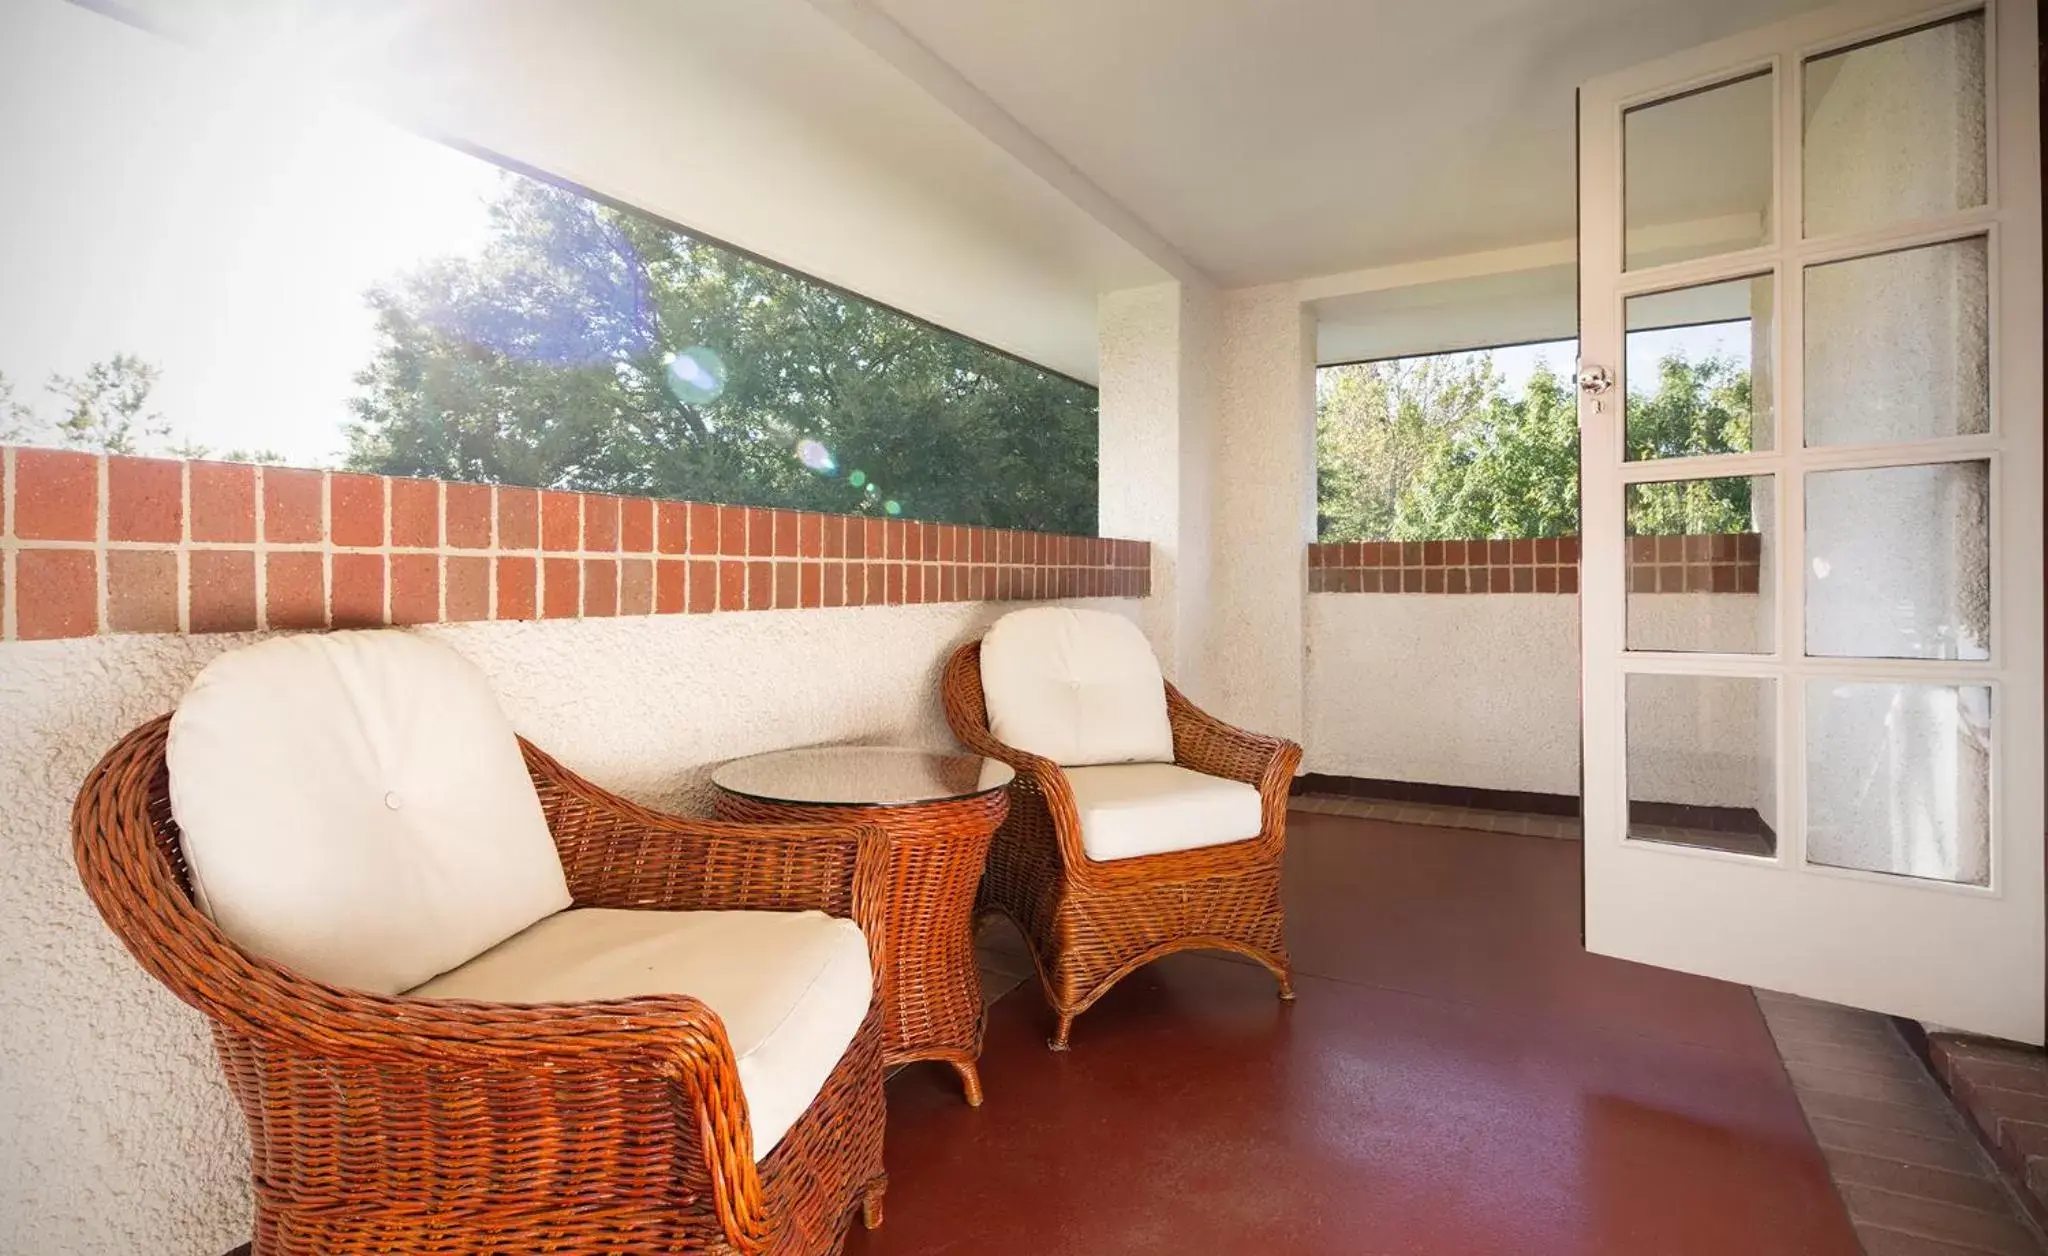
(1134, 809)
(354, 806)
(791, 987)
(1078, 687)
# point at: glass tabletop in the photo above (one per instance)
(861, 776)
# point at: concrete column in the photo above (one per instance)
(1208, 451)
(1265, 497)
(1157, 420)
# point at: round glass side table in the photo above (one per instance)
(939, 810)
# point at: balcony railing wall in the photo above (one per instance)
(108, 544)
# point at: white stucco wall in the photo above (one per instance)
(1483, 691)
(116, 1135)
(1480, 690)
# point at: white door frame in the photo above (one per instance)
(1970, 957)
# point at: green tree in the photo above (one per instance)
(105, 409)
(1510, 471)
(589, 348)
(1701, 407)
(1378, 424)
(1433, 448)
(17, 421)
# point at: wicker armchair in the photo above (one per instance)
(396, 1125)
(1090, 923)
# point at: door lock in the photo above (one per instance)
(1594, 381)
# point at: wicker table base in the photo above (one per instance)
(931, 985)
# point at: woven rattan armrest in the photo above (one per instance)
(617, 853)
(1205, 744)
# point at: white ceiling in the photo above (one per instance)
(1272, 140)
(1480, 312)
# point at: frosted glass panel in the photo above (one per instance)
(1701, 554)
(1702, 762)
(1696, 173)
(1698, 370)
(1898, 562)
(1899, 779)
(1898, 346)
(1895, 128)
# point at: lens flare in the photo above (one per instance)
(816, 457)
(589, 301)
(696, 375)
(892, 508)
(858, 479)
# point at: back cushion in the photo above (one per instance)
(354, 806)
(1077, 687)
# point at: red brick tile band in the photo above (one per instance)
(93, 544)
(1725, 563)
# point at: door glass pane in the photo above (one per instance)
(1895, 128)
(1898, 562)
(1899, 779)
(1702, 762)
(1696, 173)
(1898, 346)
(1698, 370)
(1700, 558)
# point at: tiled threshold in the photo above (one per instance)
(1915, 1180)
(2002, 1088)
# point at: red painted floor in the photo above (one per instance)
(1458, 1077)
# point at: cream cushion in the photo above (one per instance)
(791, 987)
(1136, 809)
(354, 806)
(1077, 687)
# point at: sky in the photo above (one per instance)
(224, 224)
(220, 224)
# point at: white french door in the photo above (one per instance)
(1811, 455)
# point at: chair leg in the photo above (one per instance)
(871, 1204)
(970, 1081)
(1063, 1031)
(1281, 965)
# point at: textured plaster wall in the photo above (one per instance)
(1265, 510)
(1139, 450)
(1196, 610)
(1479, 691)
(1483, 691)
(116, 1135)
(1156, 423)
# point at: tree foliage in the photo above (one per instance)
(1698, 407)
(104, 409)
(571, 352)
(17, 420)
(1378, 424)
(1434, 448)
(1512, 472)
